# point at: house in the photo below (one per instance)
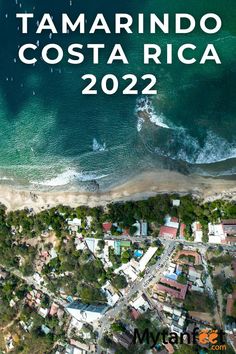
(124, 339)
(141, 227)
(231, 299)
(111, 294)
(169, 347)
(197, 231)
(74, 225)
(176, 202)
(54, 309)
(43, 312)
(168, 232)
(106, 226)
(216, 233)
(182, 231)
(229, 227)
(170, 228)
(172, 222)
(140, 304)
(92, 244)
(135, 314)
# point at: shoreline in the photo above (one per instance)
(143, 186)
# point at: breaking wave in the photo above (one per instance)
(185, 147)
(145, 111)
(69, 176)
(98, 146)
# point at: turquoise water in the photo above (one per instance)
(52, 136)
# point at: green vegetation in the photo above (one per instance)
(119, 281)
(199, 303)
(225, 259)
(182, 279)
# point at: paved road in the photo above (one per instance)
(152, 276)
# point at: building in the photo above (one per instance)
(142, 228)
(86, 313)
(231, 299)
(197, 231)
(146, 258)
(170, 229)
(216, 233)
(140, 304)
(182, 231)
(172, 287)
(182, 257)
(124, 339)
(229, 227)
(168, 232)
(176, 202)
(172, 222)
(111, 294)
(106, 226)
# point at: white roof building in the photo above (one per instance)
(146, 258)
(197, 231)
(86, 313)
(142, 228)
(197, 288)
(176, 202)
(216, 233)
(140, 304)
(111, 294)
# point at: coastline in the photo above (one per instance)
(140, 187)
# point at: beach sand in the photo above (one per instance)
(142, 186)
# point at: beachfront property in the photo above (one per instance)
(176, 202)
(216, 233)
(224, 232)
(197, 231)
(182, 231)
(142, 228)
(170, 228)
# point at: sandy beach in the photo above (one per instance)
(140, 187)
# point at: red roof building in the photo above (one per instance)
(182, 230)
(135, 314)
(169, 232)
(107, 226)
(172, 287)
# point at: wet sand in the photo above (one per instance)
(141, 187)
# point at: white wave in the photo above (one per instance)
(98, 146)
(68, 177)
(185, 147)
(215, 149)
(140, 124)
(144, 105)
(4, 178)
(158, 120)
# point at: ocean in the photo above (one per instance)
(52, 137)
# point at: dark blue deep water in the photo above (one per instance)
(52, 136)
